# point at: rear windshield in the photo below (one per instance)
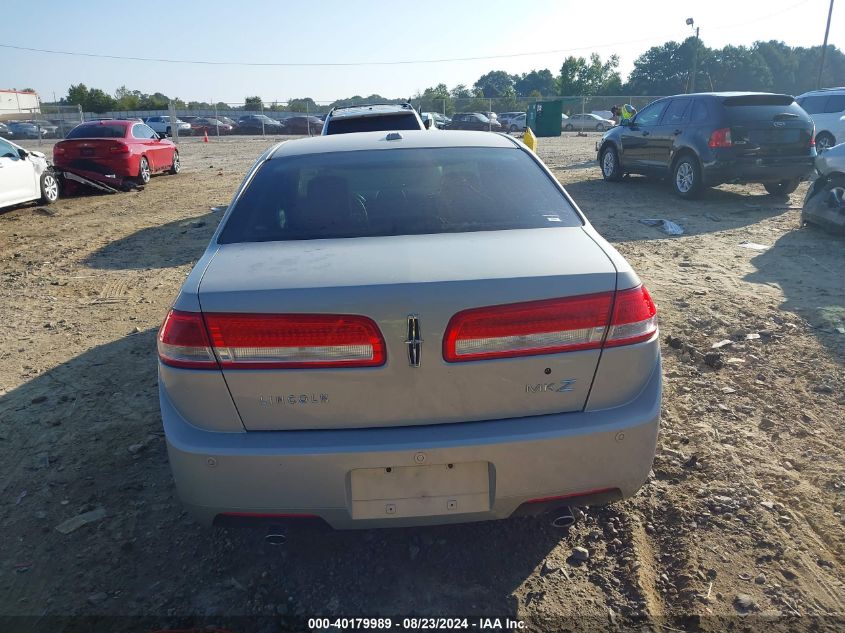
(396, 192)
(748, 108)
(97, 131)
(373, 123)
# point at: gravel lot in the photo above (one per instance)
(743, 517)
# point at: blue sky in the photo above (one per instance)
(363, 31)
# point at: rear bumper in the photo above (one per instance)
(308, 472)
(125, 167)
(757, 169)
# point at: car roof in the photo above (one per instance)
(821, 91)
(726, 94)
(359, 141)
(374, 109)
(123, 122)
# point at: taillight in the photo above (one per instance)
(720, 138)
(119, 148)
(183, 341)
(551, 326)
(523, 329)
(58, 149)
(813, 137)
(634, 318)
(268, 341)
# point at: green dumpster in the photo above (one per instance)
(543, 117)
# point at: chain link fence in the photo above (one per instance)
(305, 116)
(44, 122)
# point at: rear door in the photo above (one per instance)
(765, 125)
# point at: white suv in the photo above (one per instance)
(827, 109)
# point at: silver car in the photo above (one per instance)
(585, 122)
(406, 328)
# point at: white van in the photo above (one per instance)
(827, 108)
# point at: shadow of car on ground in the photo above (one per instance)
(87, 434)
(616, 208)
(807, 265)
(160, 246)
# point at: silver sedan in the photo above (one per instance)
(586, 122)
(406, 328)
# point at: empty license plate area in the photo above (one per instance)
(413, 491)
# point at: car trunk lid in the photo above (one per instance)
(410, 287)
(89, 148)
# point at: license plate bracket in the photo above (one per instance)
(414, 491)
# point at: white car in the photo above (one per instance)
(162, 126)
(827, 109)
(25, 176)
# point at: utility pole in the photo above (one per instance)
(824, 46)
(691, 22)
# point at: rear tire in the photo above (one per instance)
(824, 141)
(782, 187)
(176, 167)
(686, 176)
(611, 170)
(600, 127)
(569, 127)
(49, 187)
(144, 173)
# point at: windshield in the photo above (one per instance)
(397, 192)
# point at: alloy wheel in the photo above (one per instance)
(684, 177)
(51, 188)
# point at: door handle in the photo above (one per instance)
(646, 132)
(676, 132)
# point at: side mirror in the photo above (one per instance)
(23, 153)
(427, 124)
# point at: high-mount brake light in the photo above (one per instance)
(288, 341)
(551, 326)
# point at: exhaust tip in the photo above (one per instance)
(563, 518)
(276, 536)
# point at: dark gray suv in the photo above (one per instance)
(703, 140)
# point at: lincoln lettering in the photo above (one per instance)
(294, 399)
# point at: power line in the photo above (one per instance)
(374, 63)
(313, 64)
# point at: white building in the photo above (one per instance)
(14, 102)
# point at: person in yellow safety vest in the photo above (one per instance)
(624, 113)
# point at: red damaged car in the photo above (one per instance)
(127, 149)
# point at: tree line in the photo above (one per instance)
(771, 66)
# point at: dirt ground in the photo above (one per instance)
(742, 518)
